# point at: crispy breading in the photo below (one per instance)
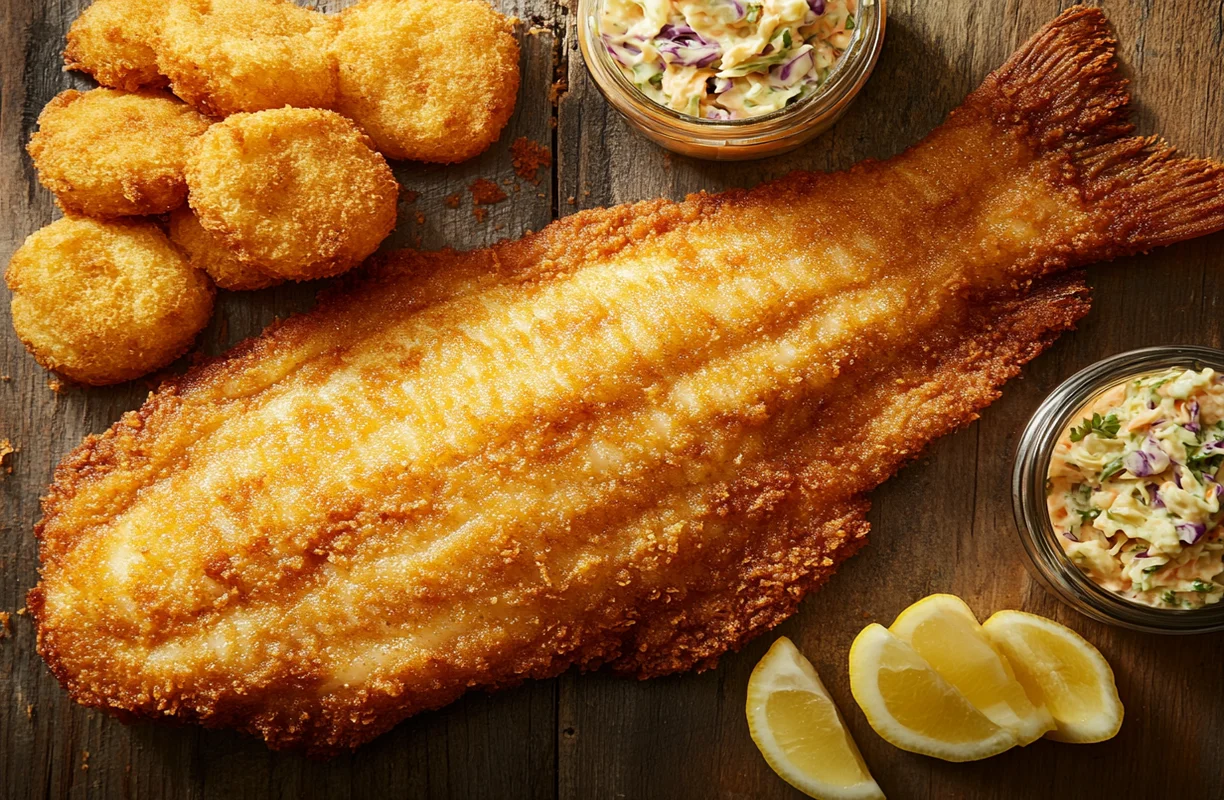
(226, 56)
(206, 253)
(104, 302)
(429, 80)
(636, 438)
(107, 153)
(112, 41)
(299, 193)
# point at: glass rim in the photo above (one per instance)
(843, 84)
(1031, 466)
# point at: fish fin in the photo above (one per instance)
(1063, 93)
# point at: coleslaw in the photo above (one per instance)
(727, 59)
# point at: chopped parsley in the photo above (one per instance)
(1105, 427)
(1202, 587)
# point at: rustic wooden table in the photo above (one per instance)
(943, 525)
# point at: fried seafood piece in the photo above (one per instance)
(636, 438)
(429, 80)
(103, 302)
(112, 41)
(107, 153)
(226, 56)
(205, 252)
(300, 193)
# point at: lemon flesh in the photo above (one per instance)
(799, 730)
(1068, 674)
(913, 707)
(943, 630)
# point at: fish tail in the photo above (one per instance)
(1063, 93)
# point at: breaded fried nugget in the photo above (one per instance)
(104, 302)
(107, 153)
(226, 56)
(298, 192)
(206, 253)
(430, 80)
(112, 40)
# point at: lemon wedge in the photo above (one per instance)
(800, 732)
(943, 630)
(911, 705)
(1057, 665)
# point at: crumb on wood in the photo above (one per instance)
(485, 192)
(480, 213)
(552, 122)
(499, 227)
(84, 760)
(21, 612)
(56, 385)
(6, 628)
(6, 378)
(571, 200)
(420, 218)
(30, 711)
(452, 200)
(557, 90)
(411, 197)
(6, 448)
(528, 158)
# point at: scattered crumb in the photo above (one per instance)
(552, 122)
(6, 630)
(557, 90)
(480, 213)
(21, 612)
(411, 197)
(452, 200)
(56, 385)
(6, 447)
(5, 378)
(84, 760)
(30, 711)
(586, 192)
(486, 192)
(571, 200)
(541, 195)
(420, 218)
(528, 157)
(537, 30)
(499, 227)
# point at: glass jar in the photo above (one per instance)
(1047, 560)
(737, 139)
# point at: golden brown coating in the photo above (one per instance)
(104, 302)
(112, 41)
(299, 193)
(429, 80)
(636, 438)
(226, 56)
(106, 153)
(206, 253)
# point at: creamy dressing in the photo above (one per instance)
(727, 59)
(1132, 489)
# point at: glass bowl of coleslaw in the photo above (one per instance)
(1115, 490)
(730, 79)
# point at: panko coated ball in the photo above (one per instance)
(299, 193)
(205, 252)
(429, 80)
(107, 153)
(112, 40)
(226, 56)
(103, 302)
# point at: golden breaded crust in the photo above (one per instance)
(104, 302)
(112, 41)
(299, 193)
(206, 253)
(429, 80)
(226, 56)
(108, 153)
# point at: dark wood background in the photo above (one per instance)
(943, 525)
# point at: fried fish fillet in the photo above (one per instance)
(636, 439)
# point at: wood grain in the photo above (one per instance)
(944, 524)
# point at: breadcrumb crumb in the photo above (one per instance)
(528, 158)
